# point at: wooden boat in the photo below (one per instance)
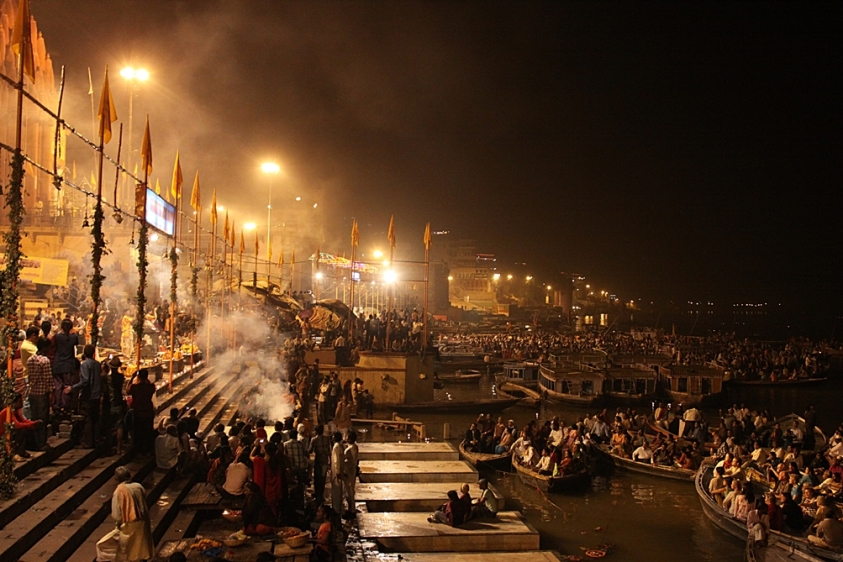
(692, 384)
(461, 376)
(502, 463)
(767, 383)
(527, 396)
(774, 551)
(662, 471)
(577, 387)
(552, 484)
(721, 519)
(483, 405)
(786, 422)
(636, 385)
(523, 373)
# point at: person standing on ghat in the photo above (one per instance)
(64, 364)
(90, 387)
(337, 472)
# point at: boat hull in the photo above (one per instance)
(670, 473)
(502, 463)
(552, 484)
(737, 529)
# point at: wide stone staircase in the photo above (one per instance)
(63, 503)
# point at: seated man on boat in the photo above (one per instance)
(620, 444)
(718, 486)
(643, 453)
(473, 439)
(544, 465)
(829, 532)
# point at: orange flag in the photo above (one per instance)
(269, 250)
(242, 242)
(107, 113)
(22, 39)
(391, 232)
(225, 228)
(157, 187)
(281, 258)
(214, 208)
(231, 237)
(293, 257)
(355, 234)
(257, 245)
(427, 238)
(146, 149)
(195, 198)
(178, 180)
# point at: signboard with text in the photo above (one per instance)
(44, 271)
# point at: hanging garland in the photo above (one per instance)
(174, 277)
(9, 308)
(98, 249)
(194, 281)
(143, 266)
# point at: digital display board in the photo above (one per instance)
(159, 214)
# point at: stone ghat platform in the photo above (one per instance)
(417, 471)
(403, 532)
(414, 496)
(532, 556)
(408, 452)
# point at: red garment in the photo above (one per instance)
(18, 421)
(260, 433)
(272, 483)
(774, 512)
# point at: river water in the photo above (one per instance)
(647, 519)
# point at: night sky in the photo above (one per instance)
(676, 150)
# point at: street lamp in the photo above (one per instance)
(249, 226)
(272, 169)
(132, 76)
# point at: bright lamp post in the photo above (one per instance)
(133, 76)
(272, 169)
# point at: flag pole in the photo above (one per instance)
(16, 188)
(426, 280)
(351, 296)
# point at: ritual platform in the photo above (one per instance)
(417, 471)
(408, 451)
(413, 496)
(412, 532)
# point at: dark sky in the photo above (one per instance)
(665, 150)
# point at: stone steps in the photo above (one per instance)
(164, 503)
(46, 471)
(74, 495)
(417, 471)
(411, 532)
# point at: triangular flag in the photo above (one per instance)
(93, 179)
(257, 245)
(195, 197)
(242, 242)
(231, 235)
(146, 149)
(225, 228)
(281, 258)
(107, 113)
(74, 170)
(355, 235)
(22, 39)
(427, 238)
(157, 187)
(178, 180)
(390, 234)
(293, 257)
(214, 207)
(269, 249)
